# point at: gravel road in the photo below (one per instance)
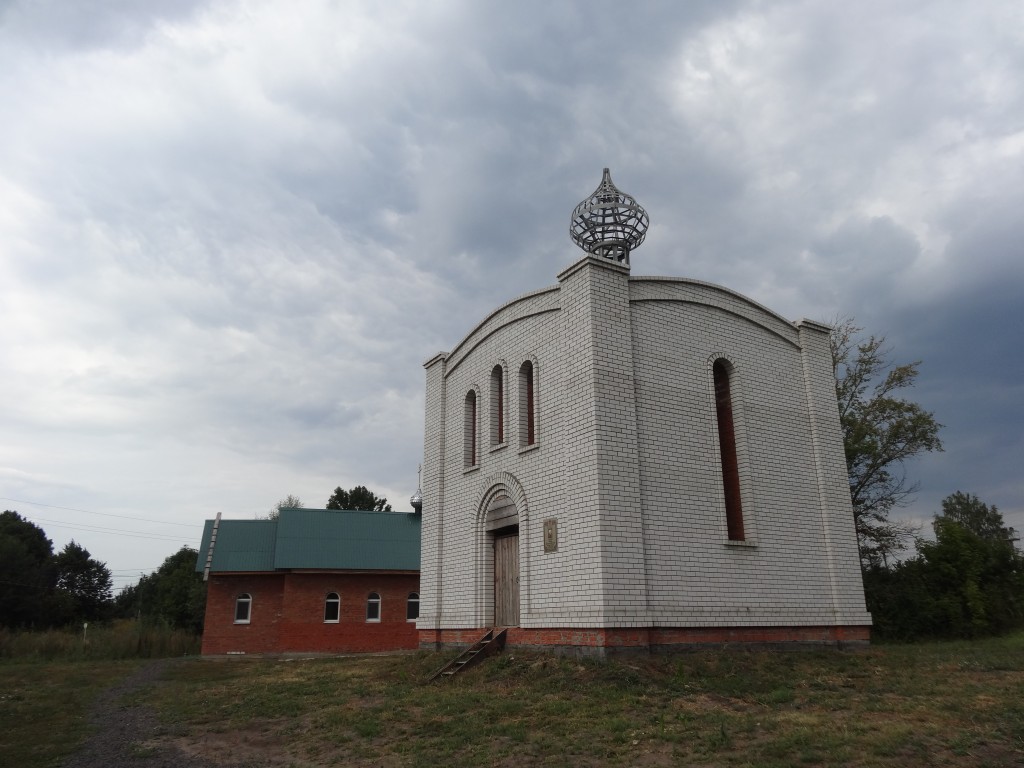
(125, 731)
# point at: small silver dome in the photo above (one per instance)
(416, 500)
(609, 223)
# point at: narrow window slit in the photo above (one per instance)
(727, 447)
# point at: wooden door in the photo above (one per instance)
(506, 580)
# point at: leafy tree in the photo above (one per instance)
(39, 589)
(967, 583)
(27, 575)
(174, 595)
(288, 502)
(84, 586)
(359, 497)
(980, 519)
(881, 430)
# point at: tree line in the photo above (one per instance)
(43, 589)
(966, 583)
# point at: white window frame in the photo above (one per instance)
(244, 599)
(335, 598)
(414, 598)
(373, 600)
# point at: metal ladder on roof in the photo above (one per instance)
(491, 643)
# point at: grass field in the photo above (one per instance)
(919, 705)
(43, 706)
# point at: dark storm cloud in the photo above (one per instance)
(232, 233)
(972, 379)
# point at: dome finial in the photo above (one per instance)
(417, 498)
(609, 223)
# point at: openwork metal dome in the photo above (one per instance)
(609, 223)
(416, 501)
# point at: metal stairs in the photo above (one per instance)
(488, 645)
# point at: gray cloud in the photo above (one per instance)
(230, 235)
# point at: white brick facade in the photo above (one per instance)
(626, 461)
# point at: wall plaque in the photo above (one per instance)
(551, 535)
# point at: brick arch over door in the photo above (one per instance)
(483, 557)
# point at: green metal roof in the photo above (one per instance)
(242, 545)
(324, 539)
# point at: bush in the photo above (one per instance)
(967, 583)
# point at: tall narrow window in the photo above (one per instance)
(243, 608)
(332, 608)
(412, 607)
(497, 405)
(469, 427)
(373, 607)
(527, 405)
(727, 447)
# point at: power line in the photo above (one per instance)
(104, 514)
(111, 531)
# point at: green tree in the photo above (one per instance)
(27, 575)
(288, 502)
(980, 519)
(881, 431)
(359, 497)
(966, 583)
(83, 586)
(174, 595)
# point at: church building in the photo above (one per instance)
(620, 462)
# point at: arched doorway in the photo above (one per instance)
(502, 526)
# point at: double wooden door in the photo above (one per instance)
(506, 580)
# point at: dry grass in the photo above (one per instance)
(122, 639)
(921, 705)
(914, 705)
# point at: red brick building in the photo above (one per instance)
(312, 581)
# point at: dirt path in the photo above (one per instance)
(125, 733)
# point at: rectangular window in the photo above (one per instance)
(332, 608)
(727, 451)
(373, 607)
(469, 430)
(527, 405)
(243, 609)
(497, 405)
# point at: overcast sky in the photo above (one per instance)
(232, 232)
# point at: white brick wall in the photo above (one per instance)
(626, 460)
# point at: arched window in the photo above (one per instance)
(497, 405)
(727, 449)
(373, 607)
(412, 607)
(243, 608)
(469, 430)
(332, 608)
(527, 405)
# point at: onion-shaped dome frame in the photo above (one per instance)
(609, 223)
